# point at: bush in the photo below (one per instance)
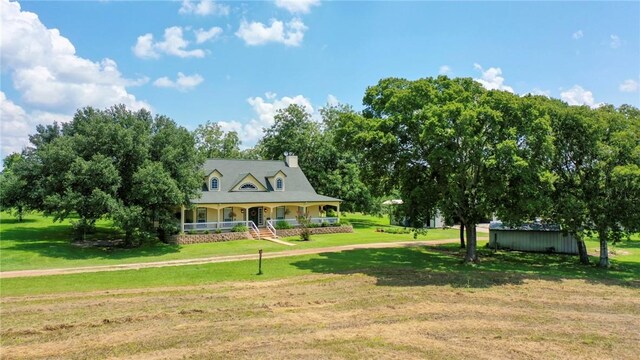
(331, 213)
(218, 231)
(324, 224)
(397, 231)
(240, 228)
(205, 232)
(192, 232)
(314, 225)
(282, 225)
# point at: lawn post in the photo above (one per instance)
(260, 262)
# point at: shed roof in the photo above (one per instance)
(497, 225)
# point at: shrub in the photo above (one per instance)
(282, 225)
(192, 232)
(240, 228)
(397, 231)
(331, 213)
(205, 232)
(314, 225)
(324, 224)
(218, 231)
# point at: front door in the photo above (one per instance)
(255, 215)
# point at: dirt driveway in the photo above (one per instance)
(217, 259)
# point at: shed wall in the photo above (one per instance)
(535, 241)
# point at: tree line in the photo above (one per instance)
(440, 144)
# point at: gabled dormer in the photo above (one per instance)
(248, 182)
(214, 180)
(277, 181)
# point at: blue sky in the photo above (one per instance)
(238, 62)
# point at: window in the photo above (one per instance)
(248, 186)
(202, 215)
(215, 183)
(227, 214)
(279, 184)
(280, 212)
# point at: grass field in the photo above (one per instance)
(38, 243)
(393, 312)
(407, 302)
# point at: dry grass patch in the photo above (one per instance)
(330, 317)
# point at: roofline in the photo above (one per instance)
(274, 202)
(280, 161)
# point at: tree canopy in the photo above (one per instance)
(116, 163)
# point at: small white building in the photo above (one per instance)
(436, 221)
(534, 237)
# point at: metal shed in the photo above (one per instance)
(534, 237)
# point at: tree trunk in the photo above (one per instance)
(472, 255)
(582, 251)
(462, 246)
(20, 212)
(604, 250)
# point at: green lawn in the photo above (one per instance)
(38, 243)
(389, 266)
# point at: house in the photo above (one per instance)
(533, 237)
(435, 221)
(256, 194)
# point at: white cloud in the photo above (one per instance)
(492, 79)
(629, 85)
(578, 96)
(203, 8)
(17, 124)
(332, 100)
(203, 35)
(173, 44)
(444, 70)
(578, 35)
(265, 109)
(615, 41)
(257, 33)
(297, 6)
(541, 92)
(182, 83)
(50, 78)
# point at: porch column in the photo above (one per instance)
(219, 221)
(246, 214)
(338, 210)
(182, 218)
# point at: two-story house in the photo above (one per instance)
(258, 191)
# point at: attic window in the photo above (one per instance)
(248, 186)
(215, 184)
(279, 184)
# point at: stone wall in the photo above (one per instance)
(207, 238)
(316, 231)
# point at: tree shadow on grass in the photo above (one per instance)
(10, 221)
(54, 241)
(365, 224)
(441, 265)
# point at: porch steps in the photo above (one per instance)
(265, 234)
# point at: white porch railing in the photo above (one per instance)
(252, 226)
(271, 229)
(328, 220)
(223, 225)
(295, 223)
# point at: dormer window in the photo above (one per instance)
(248, 186)
(279, 184)
(215, 184)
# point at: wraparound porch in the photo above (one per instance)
(226, 216)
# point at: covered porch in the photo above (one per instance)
(224, 217)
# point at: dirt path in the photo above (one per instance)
(217, 259)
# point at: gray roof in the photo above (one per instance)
(497, 225)
(296, 186)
